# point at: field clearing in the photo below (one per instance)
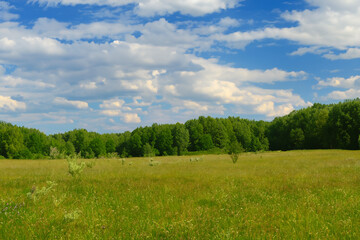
(289, 195)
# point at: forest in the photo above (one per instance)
(332, 126)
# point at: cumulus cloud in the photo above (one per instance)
(350, 53)
(9, 104)
(111, 113)
(118, 108)
(77, 104)
(115, 103)
(350, 84)
(207, 90)
(93, 30)
(269, 109)
(340, 82)
(226, 84)
(154, 7)
(342, 95)
(331, 24)
(134, 79)
(131, 118)
(5, 13)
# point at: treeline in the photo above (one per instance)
(335, 126)
(316, 127)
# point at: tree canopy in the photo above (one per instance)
(315, 127)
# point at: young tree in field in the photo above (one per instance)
(235, 149)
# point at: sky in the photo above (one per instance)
(115, 65)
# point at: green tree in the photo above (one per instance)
(135, 145)
(69, 149)
(12, 142)
(180, 138)
(110, 145)
(81, 141)
(234, 151)
(205, 142)
(196, 133)
(297, 138)
(164, 140)
(148, 150)
(242, 132)
(98, 147)
(219, 134)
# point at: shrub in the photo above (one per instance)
(71, 216)
(234, 151)
(152, 162)
(196, 159)
(76, 168)
(35, 194)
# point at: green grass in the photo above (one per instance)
(288, 195)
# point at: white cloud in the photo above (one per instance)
(6, 43)
(77, 104)
(52, 3)
(115, 103)
(88, 85)
(43, 45)
(5, 14)
(207, 90)
(139, 102)
(134, 79)
(231, 85)
(304, 50)
(229, 22)
(171, 89)
(342, 95)
(2, 70)
(12, 82)
(269, 109)
(351, 82)
(131, 118)
(194, 106)
(331, 24)
(155, 7)
(111, 113)
(8, 104)
(350, 53)
(54, 29)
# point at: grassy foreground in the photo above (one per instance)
(289, 195)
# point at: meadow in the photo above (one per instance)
(288, 195)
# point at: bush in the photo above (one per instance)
(234, 151)
(76, 168)
(152, 162)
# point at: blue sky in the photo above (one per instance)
(114, 65)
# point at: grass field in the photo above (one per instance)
(288, 195)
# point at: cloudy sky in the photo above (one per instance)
(114, 65)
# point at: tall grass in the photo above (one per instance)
(290, 195)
